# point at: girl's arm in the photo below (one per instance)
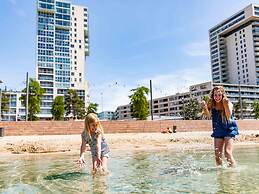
(228, 106)
(83, 148)
(98, 146)
(205, 108)
(81, 160)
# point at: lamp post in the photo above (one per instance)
(151, 100)
(27, 97)
(102, 100)
(240, 100)
(182, 99)
(1, 81)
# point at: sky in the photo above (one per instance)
(131, 42)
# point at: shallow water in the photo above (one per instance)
(139, 172)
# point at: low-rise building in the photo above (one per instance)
(172, 105)
(106, 115)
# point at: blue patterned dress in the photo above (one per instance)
(223, 129)
(92, 141)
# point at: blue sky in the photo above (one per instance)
(131, 42)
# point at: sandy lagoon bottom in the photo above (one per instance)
(132, 172)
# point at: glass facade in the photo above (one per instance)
(53, 48)
(218, 48)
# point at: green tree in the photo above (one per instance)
(255, 107)
(74, 105)
(35, 95)
(4, 102)
(237, 108)
(58, 108)
(139, 102)
(192, 110)
(92, 108)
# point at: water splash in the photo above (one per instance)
(187, 166)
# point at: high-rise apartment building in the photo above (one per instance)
(62, 47)
(234, 48)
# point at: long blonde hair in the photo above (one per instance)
(212, 102)
(92, 118)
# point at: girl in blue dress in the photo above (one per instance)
(93, 135)
(220, 110)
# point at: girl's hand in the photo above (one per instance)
(225, 101)
(99, 162)
(81, 162)
(203, 104)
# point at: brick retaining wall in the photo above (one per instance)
(75, 127)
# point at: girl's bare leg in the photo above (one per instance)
(104, 163)
(218, 148)
(229, 151)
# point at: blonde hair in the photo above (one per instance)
(92, 118)
(212, 102)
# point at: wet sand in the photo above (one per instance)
(120, 141)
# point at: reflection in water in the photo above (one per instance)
(228, 181)
(100, 184)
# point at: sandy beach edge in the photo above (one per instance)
(120, 142)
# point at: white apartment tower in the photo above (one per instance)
(234, 48)
(62, 47)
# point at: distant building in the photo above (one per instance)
(173, 105)
(62, 48)
(16, 110)
(234, 48)
(106, 115)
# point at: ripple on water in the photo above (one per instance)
(21, 188)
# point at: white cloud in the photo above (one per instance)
(110, 95)
(197, 49)
(116, 93)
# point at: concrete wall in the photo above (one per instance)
(75, 127)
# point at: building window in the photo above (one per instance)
(75, 63)
(80, 74)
